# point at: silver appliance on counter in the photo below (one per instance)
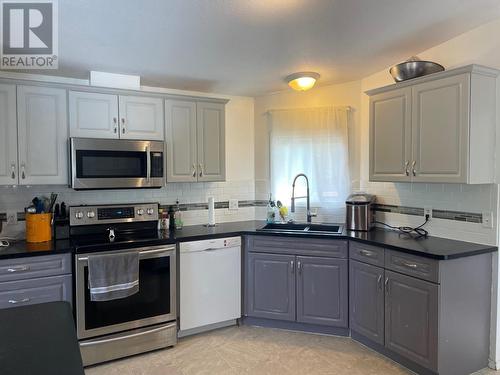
(359, 212)
(138, 323)
(116, 164)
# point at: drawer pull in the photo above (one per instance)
(18, 269)
(410, 265)
(292, 265)
(16, 301)
(386, 285)
(367, 253)
(379, 282)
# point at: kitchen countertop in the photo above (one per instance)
(39, 339)
(430, 247)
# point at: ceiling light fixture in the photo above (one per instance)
(302, 81)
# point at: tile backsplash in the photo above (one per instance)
(18, 197)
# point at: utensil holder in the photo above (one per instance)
(38, 227)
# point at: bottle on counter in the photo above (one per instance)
(271, 212)
(178, 216)
(163, 223)
(171, 217)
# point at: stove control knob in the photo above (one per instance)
(91, 214)
(150, 211)
(79, 215)
(140, 212)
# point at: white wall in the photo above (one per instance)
(239, 169)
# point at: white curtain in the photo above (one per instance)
(313, 141)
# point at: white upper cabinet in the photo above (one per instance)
(211, 141)
(8, 135)
(97, 115)
(390, 116)
(93, 115)
(42, 135)
(141, 118)
(195, 138)
(180, 125)
(437, 128)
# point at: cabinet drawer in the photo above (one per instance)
(423, 268)
(366, 253)
(298, 246)
(33, 291)
(39, 266)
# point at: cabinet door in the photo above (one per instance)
(411, 318)
(322, 291)
(211, 142)
(271, 286)
(390, 135)
(8, 135)
(180, 125)
(33, 291)
(93, 115)
(141, 117)
(440, 129)
(42, 135)
(366, 300)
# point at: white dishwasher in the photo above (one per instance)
(210, 284)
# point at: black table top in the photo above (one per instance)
(430, 247)
(39, 340)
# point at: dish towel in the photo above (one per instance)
(113, 276)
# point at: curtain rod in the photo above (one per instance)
(347, 107)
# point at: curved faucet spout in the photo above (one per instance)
(292, 209)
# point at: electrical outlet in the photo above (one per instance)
(487, 219)
(233, 204)
(428, 211)
(11, 217)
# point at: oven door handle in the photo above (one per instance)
(142, 254)
(148, 164)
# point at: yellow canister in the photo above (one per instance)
(38, 227)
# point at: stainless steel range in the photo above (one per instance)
(143, 321)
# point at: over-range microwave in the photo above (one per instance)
(116, 164)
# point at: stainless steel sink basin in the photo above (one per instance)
(304, 228)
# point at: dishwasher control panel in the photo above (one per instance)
(212, 244)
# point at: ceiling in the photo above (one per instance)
(247, 47)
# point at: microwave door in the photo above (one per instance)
(116, 164)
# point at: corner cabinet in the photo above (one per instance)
(195, 140)
(436, 128)
(299, 282)
(102, 115)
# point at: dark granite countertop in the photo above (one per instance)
(39, 339)
(20, 249)
(430, 247)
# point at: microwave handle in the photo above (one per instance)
(148, 164)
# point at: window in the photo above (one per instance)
(312, 141)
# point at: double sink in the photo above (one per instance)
(304, 228)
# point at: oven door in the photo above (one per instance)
(116, 164)
(154, 303)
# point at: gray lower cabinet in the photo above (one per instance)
(38, 279)
(322, 291)
(32, 291)
(411, 318)
(270, 290)
(366, 304)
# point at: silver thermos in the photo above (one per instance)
(359, 212)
